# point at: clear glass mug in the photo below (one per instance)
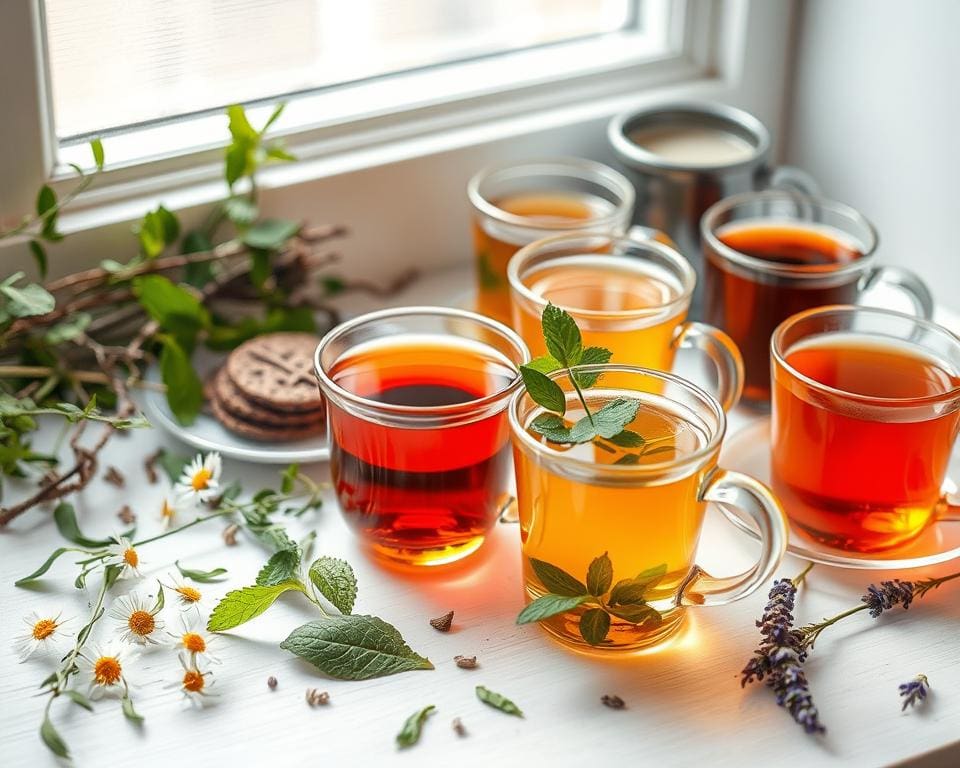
(419, 439)
(628, 295)
(866, 414)
(577, 504)
(517, 204)
(769, 255)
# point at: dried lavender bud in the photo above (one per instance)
(887, 595)
(458, 727)
(271, 682)
(442, 623)
(613, 701)
(315, 697)
(126, 515)
(465, 662)
(114, 477)
(230, 534)
(914, 692)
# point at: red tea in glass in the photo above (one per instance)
(420, 455)
(866, 413)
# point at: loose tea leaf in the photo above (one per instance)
(241, 605)
(410, 733)
(465, 662)
(497, 701)
(613, 701)
(442, 623)
(354, 648)
(335, 580)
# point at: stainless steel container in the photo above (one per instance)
(673, 194)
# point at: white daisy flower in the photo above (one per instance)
(195, 682)
(137, 621)
(123, 553)
(200, 481)
(193, 639)
(187, 596)
(43, 635)
(173, 506)
(105, 669)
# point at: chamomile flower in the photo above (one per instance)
(137, 621)
(192, 639)
(104, 668)
(200, 481)
(42, 635)
(187, 596)
(123, 553)
(195, 682)
(171, 507)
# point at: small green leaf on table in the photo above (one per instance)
(201, 577)
(498, 701)
(336, 581)
(410, 733)
(241, 605)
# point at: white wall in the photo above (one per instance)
(875, 116)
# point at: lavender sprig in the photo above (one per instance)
(887, 595)
(914, 692)
(780, 655)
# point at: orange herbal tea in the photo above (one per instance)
(862, 474)
(611, 298)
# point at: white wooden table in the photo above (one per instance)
(684, 702)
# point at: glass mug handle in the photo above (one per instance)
(722, 352)
(904, 281)
(792, 179)
(754, 499)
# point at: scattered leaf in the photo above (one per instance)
(201, 577)
(410, 733)
(497, 701)
(335, 580)
(241, 605)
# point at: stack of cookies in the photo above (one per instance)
(267, 390)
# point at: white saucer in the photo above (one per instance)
(208, 434)
(748, 451)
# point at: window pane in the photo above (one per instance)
(124, 62)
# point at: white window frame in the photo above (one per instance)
(732, 50)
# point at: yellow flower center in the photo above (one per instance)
(141, 623)
(44, 628)
(166, 512)
(107, 670)
(189, 594)
(201, 479)
(194, 642)
(130, 557)
(193, 681)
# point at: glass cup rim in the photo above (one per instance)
(779, 354)
(575, 167)
(726, 204)
(413, 411)
(688, 276)
(626, 470)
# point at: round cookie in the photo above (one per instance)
(264, 432)
(276, 370)
(230, 399)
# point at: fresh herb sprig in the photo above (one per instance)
(627, 599)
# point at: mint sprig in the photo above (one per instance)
(627, 599)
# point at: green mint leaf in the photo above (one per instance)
(497, 701)
(39, 257)
(69, 329)
(288, 478)
(29, 301)
(547, 606)
(594, 625)
(615, 415)
(653, 576)
(77, 698)
(96, 147)
(543, 390)
(551, 427)
(335, 580)
(592, 356)
(157, 230)
(637, 614)
(126, 704)
(354, 648)
(201, 577)
(270, 234)
(600, 575)
(276, 151)
(410, 733)
(239, 125)
(562, 336)
(238, 158)
(632, 591)
(282, 566)
(583, 431)
(184, 388)
(52, 739)
(175, 308)
(66, 519)
(544, 364)
(556, 580)
(628, 459)
(46, 200)
(241, 210)
(627, 439)
(43, 568)
(241, 605)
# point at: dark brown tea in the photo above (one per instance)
(750, 303)
(422, 494)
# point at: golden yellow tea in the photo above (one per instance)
(643, 522)
(615, 302)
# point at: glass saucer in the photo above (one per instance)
(748, 451)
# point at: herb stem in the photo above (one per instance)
(583, 401)
(219, 513)
(811, 632)
(801, 577)
(67, 666)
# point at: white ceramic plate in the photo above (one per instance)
(748, 451)
(208, 434)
